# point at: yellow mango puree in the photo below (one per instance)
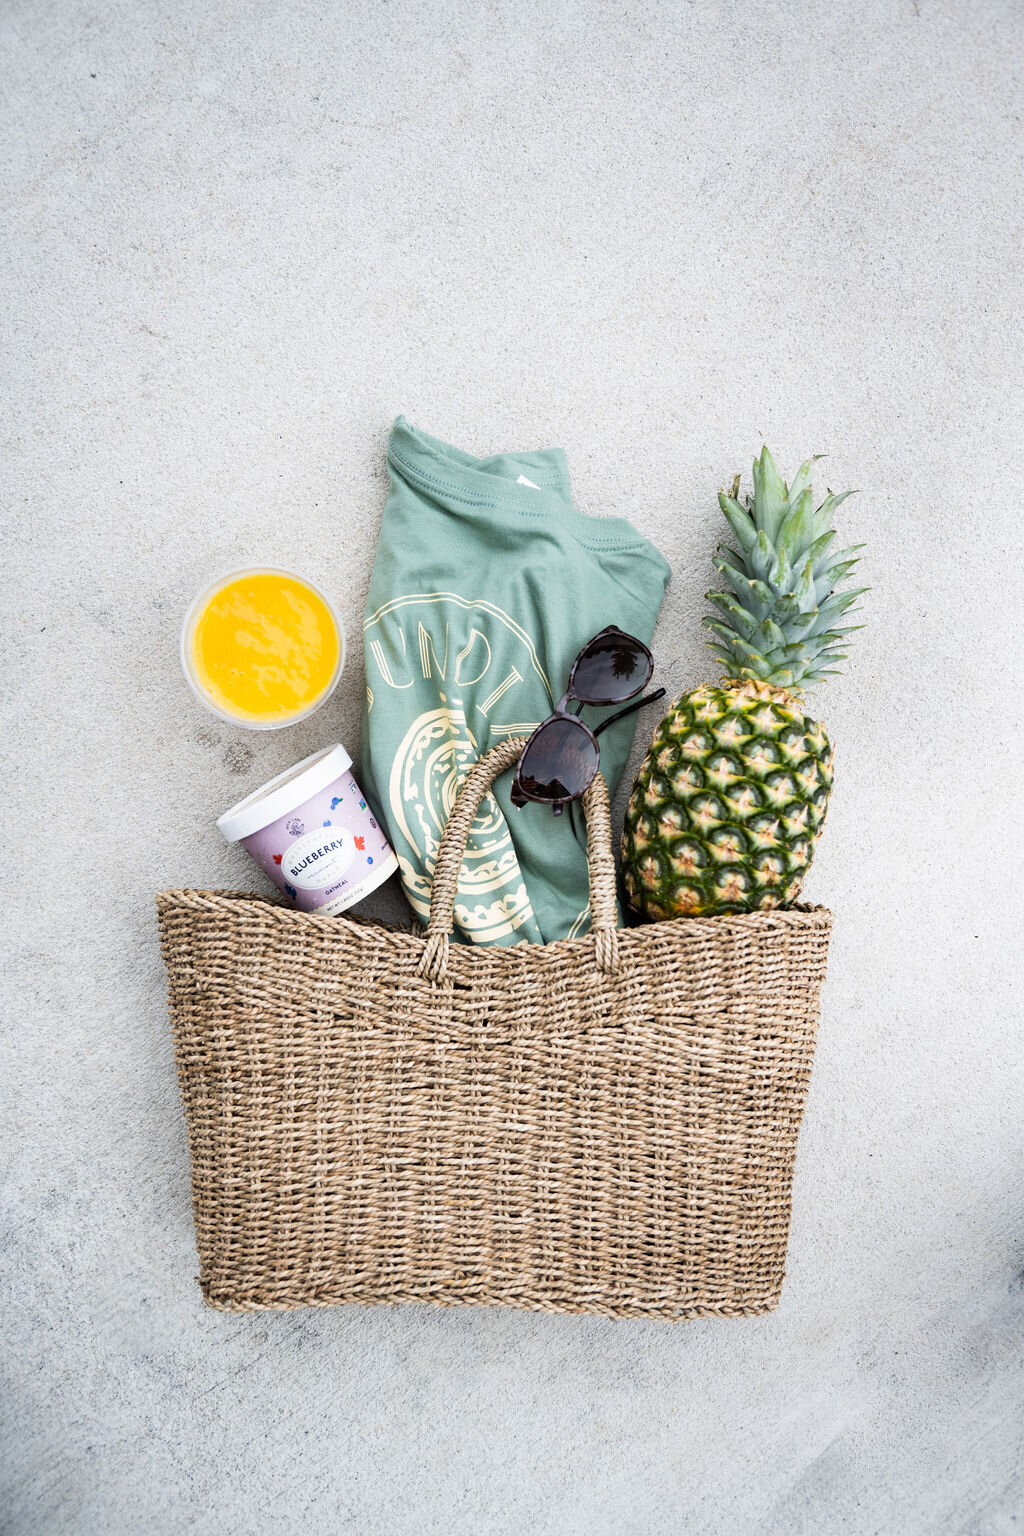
(265, 647)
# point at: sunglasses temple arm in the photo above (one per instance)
(650, 698)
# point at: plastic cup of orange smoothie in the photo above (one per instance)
(262, 647)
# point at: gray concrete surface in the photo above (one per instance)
(239, 238)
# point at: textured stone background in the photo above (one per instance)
(239, 239)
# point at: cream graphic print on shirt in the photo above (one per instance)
(440, 640)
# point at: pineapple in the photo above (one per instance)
(729, 802)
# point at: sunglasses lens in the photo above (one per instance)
(612, 667)
(559, 762)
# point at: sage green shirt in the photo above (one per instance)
(486, 583)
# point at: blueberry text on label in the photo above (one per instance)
(319, 859)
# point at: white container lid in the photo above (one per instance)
(288, 792)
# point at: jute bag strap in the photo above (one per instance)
(600, 861)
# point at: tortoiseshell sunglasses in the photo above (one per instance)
(562, 756)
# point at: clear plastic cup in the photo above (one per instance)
(198, 607)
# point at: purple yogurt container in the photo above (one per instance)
(310, 830)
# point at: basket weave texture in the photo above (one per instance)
(603, 1125)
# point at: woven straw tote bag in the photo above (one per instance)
(605, 1124)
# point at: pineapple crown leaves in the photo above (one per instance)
(780, 622)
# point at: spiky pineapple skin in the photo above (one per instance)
(728, 805)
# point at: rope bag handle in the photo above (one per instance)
(600, 861)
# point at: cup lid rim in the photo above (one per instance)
(286, 791)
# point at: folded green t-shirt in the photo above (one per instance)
(486, 583)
